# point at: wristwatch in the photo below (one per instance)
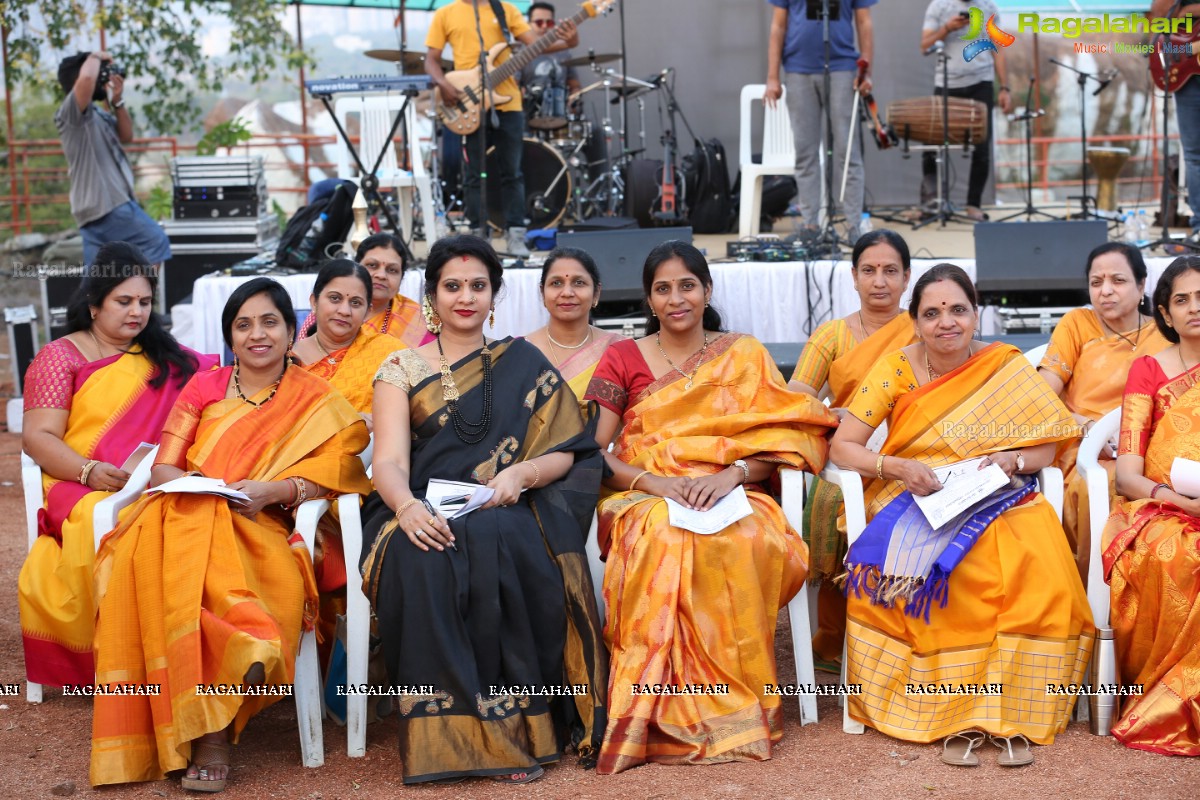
(1020, 462)
(118, 104)
(745, 468)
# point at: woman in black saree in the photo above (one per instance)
(485, 619)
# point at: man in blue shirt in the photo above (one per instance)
(797, 46)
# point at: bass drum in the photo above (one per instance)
(547, 186)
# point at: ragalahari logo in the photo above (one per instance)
(995, 36)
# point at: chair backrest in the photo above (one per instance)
(31, 483)
(778, 146)
(1036, 354)
(1087, 461)
(375, 116)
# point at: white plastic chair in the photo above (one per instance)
(358, 621)
(375, 114)
(104, 515)
(1087, 461)
(778, 153)
(793, 509)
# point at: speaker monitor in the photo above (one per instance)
(1035, 256)
(621, 254)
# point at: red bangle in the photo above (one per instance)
(1157, 486)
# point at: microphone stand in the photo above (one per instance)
(487, 111)
(1082, 78)
(828, 234)
(1028, 116)
(945, 209)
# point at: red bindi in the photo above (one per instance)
(464, 258)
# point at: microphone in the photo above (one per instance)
(1106, 78)
(936, 47)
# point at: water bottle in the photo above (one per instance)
(441, 228)
(305, 249)
(1129, 228)
(864, 225)
(1143, 228)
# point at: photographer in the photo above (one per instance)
(102, 197)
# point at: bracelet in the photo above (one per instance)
(879, 467)
(537, 474)
(86, 471)
(637, 478)
(412, 501)
(119, 104)
(1157, 486)
(1005, 89)
(301, 491)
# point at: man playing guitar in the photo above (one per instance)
(1187, 112)
(454, 24)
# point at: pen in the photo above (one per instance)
(432, 513)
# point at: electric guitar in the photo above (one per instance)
(1171, 64)
(463, 117)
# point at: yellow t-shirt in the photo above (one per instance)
(455, 25)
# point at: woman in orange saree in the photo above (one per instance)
(703, 413)
(220, 602)
(343, 351)
(570, 291)
(1152, 540)
(1086, 365)
(91, 398)
(839, 353)
(391, 313)
(958, 631)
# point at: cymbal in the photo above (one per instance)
(591, 58)
(412, 60)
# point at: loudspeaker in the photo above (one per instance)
(1035, 256)
(182, 270)
(620, 255)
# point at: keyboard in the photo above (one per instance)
(355, 84)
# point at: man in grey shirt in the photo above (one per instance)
(971, 79)
(102, 198)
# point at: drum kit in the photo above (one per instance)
(574, 168)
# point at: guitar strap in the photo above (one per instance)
(498, 10)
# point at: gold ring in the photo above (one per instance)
(431, 521)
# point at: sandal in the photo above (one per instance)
(530, 777)
(957, 747)
(207, 754)
(1011, 756)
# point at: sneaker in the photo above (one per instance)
(516, 243)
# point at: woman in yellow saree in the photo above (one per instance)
(958, 631)
(391, 313)
(703, 413)
(1086, 365)
(91, 398)
(1152, 540)
(840, 353)
(570, 291)
(221, 600)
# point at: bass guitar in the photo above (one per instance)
(1174, 59)
(463, 117)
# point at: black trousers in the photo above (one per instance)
(981, 158)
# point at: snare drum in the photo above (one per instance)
(578, 129)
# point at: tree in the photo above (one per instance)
(161, 44)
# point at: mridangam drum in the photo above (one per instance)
(547, 185)
(919, 119)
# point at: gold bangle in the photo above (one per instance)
(879, 467)
(86, 471)
(537, 474)
(405, 506)
(637, 478)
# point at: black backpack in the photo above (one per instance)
(338, 206)
(710, 202)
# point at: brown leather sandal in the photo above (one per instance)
(207, 754)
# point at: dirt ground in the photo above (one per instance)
(44, 748)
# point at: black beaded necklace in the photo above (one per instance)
(237, 385)
(467, 431)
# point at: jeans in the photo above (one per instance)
(1187, 116)
(806, 108)
(126, 223)
(507, 139)
(981, 156)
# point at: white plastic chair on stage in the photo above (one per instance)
(375, 114)
(793, 509)
(358, 620)
(104, 515)
(778, 153)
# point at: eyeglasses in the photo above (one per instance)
(543, 23)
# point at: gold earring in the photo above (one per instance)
(433, 322)
(492, 317)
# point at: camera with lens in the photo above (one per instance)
(107, 70)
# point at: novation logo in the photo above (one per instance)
(992, 35)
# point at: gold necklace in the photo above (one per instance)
(100, 348)
(1137, 336)
(863, 324)
(929, 369)
(328, 357)
(1186, 371)
(586, 339)
(699, 362)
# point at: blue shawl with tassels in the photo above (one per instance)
(900, 557)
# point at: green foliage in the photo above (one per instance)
(160, 203)
(160, 46)
(280, 214)
(33, 118)
(229, 133)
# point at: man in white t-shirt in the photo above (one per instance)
(971, 79)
